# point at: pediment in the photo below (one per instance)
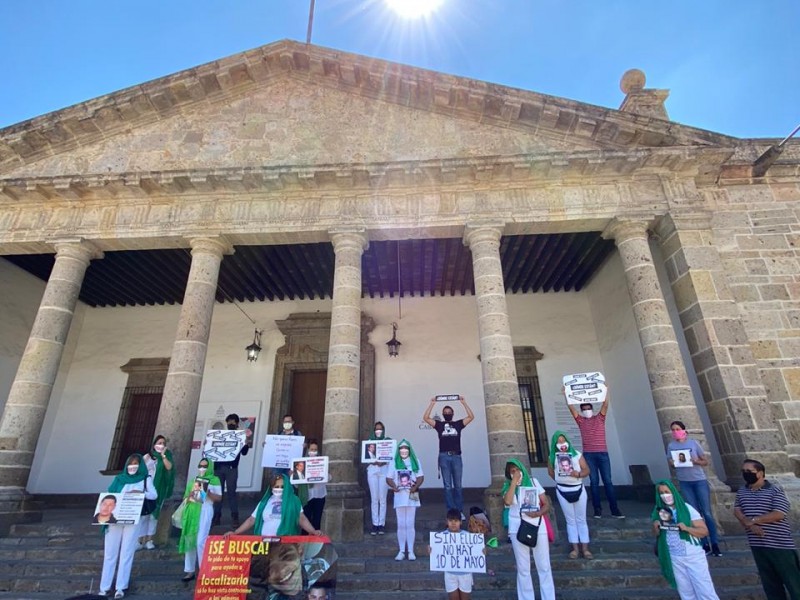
(292, 104)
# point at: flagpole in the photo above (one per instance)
(310, 21)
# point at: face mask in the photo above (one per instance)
(448, 417)
(159, 448)
(404, 453)
(379, 433)
(678, 435)
(749, 477)
(277, 492)
(232, 427)
(133, 469)
(287, 426)
(202, 470)
(563, 447)
(587, 413)
(667, 499)
(312, 452)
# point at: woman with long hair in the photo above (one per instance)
(200, 495)
(159, 466)
(568, 468)
(405, 477)
(378, 488)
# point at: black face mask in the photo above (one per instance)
(232, 427)
(448, 417)
(749, 477)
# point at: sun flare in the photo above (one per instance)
(413, 9)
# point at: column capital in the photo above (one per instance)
(621, 230)
(482, 231)
(216, 245)
(78, 248)
(682, 221)
(344, 237)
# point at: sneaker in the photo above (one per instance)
(597, 515)
(707, 549)
(119, 594)
(374, 531)
(105, 593)
(618, 515)
(381, 530)
(139, 546)
(715, 551)
(412, 556)
(400, 556)
(150, 545)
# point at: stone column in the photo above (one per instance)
(176, 419)
(500, 387)
(30, 393)
(669, 383)
(743, 419)
(344, 510)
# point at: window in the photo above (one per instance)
(530, 399)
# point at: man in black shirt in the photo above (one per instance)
(228, 473)
(450, 465)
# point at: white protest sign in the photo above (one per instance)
(280, 450)
(309, 469)
(378, 451)
(682, 458)
(459, 552)
(118, 508)
(581, 388)
(223, 445)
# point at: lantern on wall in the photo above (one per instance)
(393, 344)
(254, 349)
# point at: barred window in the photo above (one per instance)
(136, 424)
(530, 398)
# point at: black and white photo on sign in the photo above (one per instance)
(666, 520)
(378, 451)
(280, 450)
(580, 388)
(223, 445)
(528, 499)
(309, 469)
(458, 552)
(682, 458)
(564, 464)
(405, 479)
(118, 508)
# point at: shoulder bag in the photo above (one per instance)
(528, 533)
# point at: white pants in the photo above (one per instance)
(405, 527)
(575, 515)
(148, 523)
(195, 557)
(541, 556)
(692, 577)
(378, 488)
(119, 544)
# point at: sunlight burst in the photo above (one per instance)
(413, 9)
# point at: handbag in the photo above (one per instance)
(148, 506)
(528, 533)
(573, 495)
(177, 516)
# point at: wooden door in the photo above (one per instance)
(308, 402)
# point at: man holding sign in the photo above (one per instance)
(228, 473)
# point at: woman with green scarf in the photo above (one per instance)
(119, 544)
(159, 466)
(201, 494)
(405, 477)
(518, 492)
(568, 468)
(679, 528)
(378, 488)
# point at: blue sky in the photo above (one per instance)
(731, 65)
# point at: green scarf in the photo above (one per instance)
(399, 463)
(526, 479)
(290, 510)
(124, 478)
(682, 516)
(164, 480)
(553, 449)
(193, 510)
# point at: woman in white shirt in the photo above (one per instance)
(119, 545)
(516, 478)
(200, 495)
(378, 488)
(405, 477)
(568, 468)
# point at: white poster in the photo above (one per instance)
(378, 451)
(309, 469)
(682, 458)
(118, 508)
(581, 388)
(223, 445)
(459, 552)
(280, 450)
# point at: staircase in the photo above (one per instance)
(62, 557)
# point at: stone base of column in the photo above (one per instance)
(343, 519)
(17, 507)
(494, 506)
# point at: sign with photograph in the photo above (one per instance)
(528, 499)
(118, 508)
(666, 521)
(564, 464)
(405, 479)
(458, 552)
(223, 445)
(682, 458)
(581, 388)
(378, 451)
(309, 469)
(280, 450)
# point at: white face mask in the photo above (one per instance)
(587, 413)
(277, 492)
(667, 499)
(379, 433)
(312, 452)
(287, 426)
(404, 453)
(563, 447)
(202, 470)
(159, 448)
(133, 469)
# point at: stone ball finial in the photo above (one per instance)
(632, 81)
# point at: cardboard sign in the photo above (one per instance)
(309, 469)
(118, 508)
(528, 499)
(280, 450)
(378, 451)
(223, 445)
(460, 552)
(581, 388)
(682, 458)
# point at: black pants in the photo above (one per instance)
(227, 479)
(313, 511)
(778, 569)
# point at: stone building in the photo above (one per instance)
(512, 237)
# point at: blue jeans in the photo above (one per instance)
(600, 466)
(451, 468)
(698, 494)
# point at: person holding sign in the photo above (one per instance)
(159, 466)
(450, 464)
(568, 468)
(316, 492)
(683, 562)
(378, 488)
(200, 496)
(692, 479)
(517, 478)
(228, 474)
(457, 584)
(119, 544)
(405, 478)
